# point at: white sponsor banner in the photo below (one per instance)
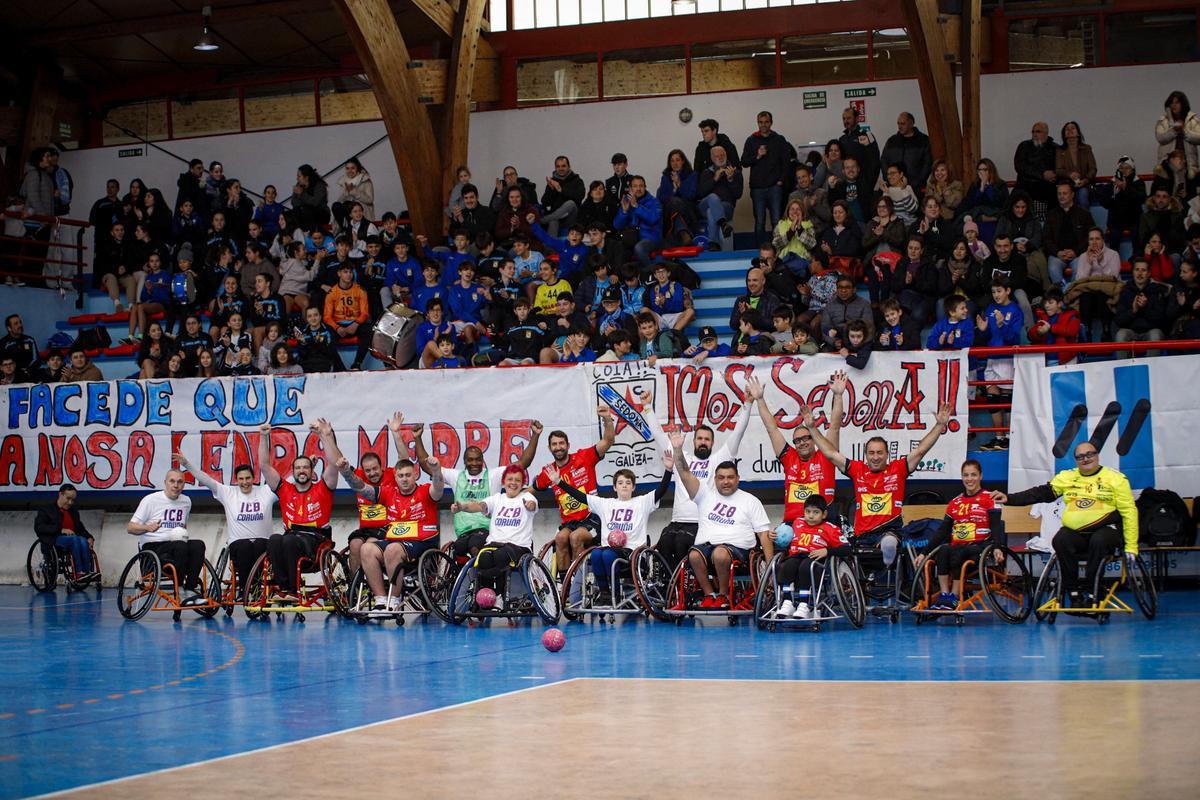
(1140, 414)
(119, 435)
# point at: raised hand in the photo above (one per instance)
(433, 464)
(676, 438)
(265, 428)
(806, 415)
(395, 422)
(342, 464)
(837, 382)
(944, 414)
(754, 388)
(536, 427)
(604, 412)
(552, 474)
(668, 460)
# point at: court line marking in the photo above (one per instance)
(1085, 655)
(48, 606)
(1150, 655)
(1032, 656)
(318, 737)
(923, 657)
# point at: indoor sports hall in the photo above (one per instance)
(564, 398)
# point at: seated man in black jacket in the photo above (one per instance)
(1142, 308)
(59, 525)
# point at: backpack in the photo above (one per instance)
(920, 531)
(684, 274)
(1163, 519)
(93, 339)
(670, 343)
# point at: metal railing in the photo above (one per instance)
(54, 242)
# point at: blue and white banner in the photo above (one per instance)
(1140, 414)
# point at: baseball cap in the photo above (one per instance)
(611, 295)
(708, 332)
(619, 158)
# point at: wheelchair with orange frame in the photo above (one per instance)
(148, 583)
(637, 582)
(1118, 571)
(996, 581)
(263, 593)
(683, 596)
(46, 562)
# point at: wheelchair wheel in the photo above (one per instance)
(257, 589)
(1008, 592)
(547, 556)
(435, 579)
(574, 598)
(1107, 583)
(919, 595)
(210, 589)
(1144, 593)
(651, 575)
(337, 583)
(462, 595)
(541, 587)
(1049, 587)
(138, 589)
(766, 599)
(42, 571)
(358, 598)
(849, 592)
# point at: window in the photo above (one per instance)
(126, 122)
(1152, 36)
(280, 105)
(557, 80)
(347, 99)
(206, 113)
(640, 73)
(824, 58)
(893, 54)
(529, 14)
(733, 65)
(1051, 43)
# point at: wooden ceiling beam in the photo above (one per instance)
(460, 86)
(935, 79)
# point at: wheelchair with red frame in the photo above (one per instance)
(46, 562)
(637, 582)
(148, 583)
(683, 594)
(261, 596)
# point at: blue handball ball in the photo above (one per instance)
(700, 241)
(784, 535)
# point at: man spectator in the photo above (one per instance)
(472, 216)
(64, 185)
(845, 306)
(768, 156)
(617, 185)
(561, 198)
(18, 345)
(105, 213)
(191, 187)
(1164, 216)
(1004, 264)
(114, 269)
(1142, 307)
(859, 143)
(757, 297)
(710, 137)
(854, 189)
(1034, 163)
(1066, 232)
(510, 180)
(909, 146)
(9, 374)
(59, 525)
(719, 187)
(39, 190)
(640, 220)
(512, 218)
(815, 199)
(602, 244)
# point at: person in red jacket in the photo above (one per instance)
(1056, 324)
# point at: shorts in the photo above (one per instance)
(460, 326)
(413, 548)
(591, 522)
(741, 554)
(366, 534)
(669, 320)
(999, 369)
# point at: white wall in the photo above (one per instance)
(1116, 107)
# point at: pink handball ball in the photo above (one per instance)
(485, 599)
(554, 640)
(617, 539)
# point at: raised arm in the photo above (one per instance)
(660, 491)
(395, 424)
(610, 430)
(270, 474)
(756, 392)
(356, 483)
(837, 385)
(526, 459)
(203, 478)
(824, 445)
(690, 482)
(437, 483)
(929, 439)
(656, 429)
(739, 430)
(332, 454)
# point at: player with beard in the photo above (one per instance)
(306, 506)
(372, 515)
(677, 538)
(580, 529)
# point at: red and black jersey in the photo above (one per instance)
(312, 508)
(814, 537)
(373, 515)
(410, 516)
(878, 495)
(802, 479)
(579, 472)
(969, 518)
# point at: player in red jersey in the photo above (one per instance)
(412, 516)
(806, 471)
(580, 529)
(813, 538)
(306, 505)
(372, 514)
(878, 482)
(972, 521)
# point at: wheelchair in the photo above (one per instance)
(836, 593)
(262, 586)
(635, 578)
(1004, 589)
(148, 584)
(883, 587)
(528, 590)
(1116, 572)
(683, 594)
(46, 562)
(420, 591)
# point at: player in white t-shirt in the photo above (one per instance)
(677, 537)
(625, 513)
(731, 522)
(160, 522)
(510, 530)
(247, 514)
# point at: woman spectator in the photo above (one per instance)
(153, 296)
(462, 177)
(1125, 204)
(238, 209)
(281, 362)
(945, 188)
(355, 187)
(987, 196)
(1074, 161)
(794, 240)
(133, 201)
(269, 211)
(359, 227)
(155, 215)
(175, 367)
(1162, 268)
(935, 229)
(214, 183)
(295, 273)
(513, 218)
(234, 339)
(1095, 262)
(1179, 129)
(842, 239)
(831, 164)
(272, 337)
(206, 365)
(156, 348)
(677, 196)
(954, 276)
(310, 198)
(915, 282)
(598, 206)
(188, 227)
(288, 232)
(1184, 306)
(885, 231)
(1019, 223)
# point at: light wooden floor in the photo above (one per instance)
(604, 738)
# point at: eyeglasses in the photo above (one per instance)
(1086, 456)
(801, 439)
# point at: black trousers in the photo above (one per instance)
(469, 543)
(285, 551)
(187, 556)
(1070, 544)
(243, 553)
(798, 571)
(676, 540)
(492, 564)
(949, 559)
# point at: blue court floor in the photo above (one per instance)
(86, 696)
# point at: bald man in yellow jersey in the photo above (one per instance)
(1100, 513)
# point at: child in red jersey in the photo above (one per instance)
(813, 537)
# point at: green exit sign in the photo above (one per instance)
(868, 91)
(129, 152)
(815, 100)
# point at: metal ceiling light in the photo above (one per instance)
(206, 43)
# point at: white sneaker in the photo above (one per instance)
(803, 612)
(381, 604)
(499, 604)
(786, 609)
(393, 604)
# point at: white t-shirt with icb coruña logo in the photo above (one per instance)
(729, 519)
(172, 516)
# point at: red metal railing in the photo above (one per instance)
(55, 241)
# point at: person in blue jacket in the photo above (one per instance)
(640, 215)
(999, 326)
(572, 252)
(677, 196)
(955, 332)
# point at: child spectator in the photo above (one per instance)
(347, 314)
(326, 271)
(372, 274)
(523, 340)
(430, 288)
(281, 362)
(572, 252)
(506, 290)
(857, 347)
(592, 288)
(978, 248)
(488, 264)
(709, 345)
(153, 296)
(899, 331)
(801, 343)
(156, 348)
(999, 326)
(467, 301)
(446, 358)
(1183, 308)
(266, 350)
(449, 260)
(954, 332)
(633, 293)
(781, 319)
(527, 260)
(752, 339)
(651, 342)
(428, 332)
(402, 275)
(269, 306)
(1056, 324)
(669, 299)
(228, 302)
(233, 338)
(620, 347)
(575, 349)
(545, 293)
(191, 341)
(295, 272)
(612, 316)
